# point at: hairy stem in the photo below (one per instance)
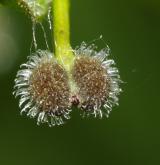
(61, 30)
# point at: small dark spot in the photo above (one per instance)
(74, 100)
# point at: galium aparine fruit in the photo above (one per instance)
(48, 92)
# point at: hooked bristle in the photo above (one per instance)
(97, 80)
(43, 89)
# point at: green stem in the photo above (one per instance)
(61, 30)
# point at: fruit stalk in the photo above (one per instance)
(61, 31)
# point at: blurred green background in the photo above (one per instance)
(131, 135)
